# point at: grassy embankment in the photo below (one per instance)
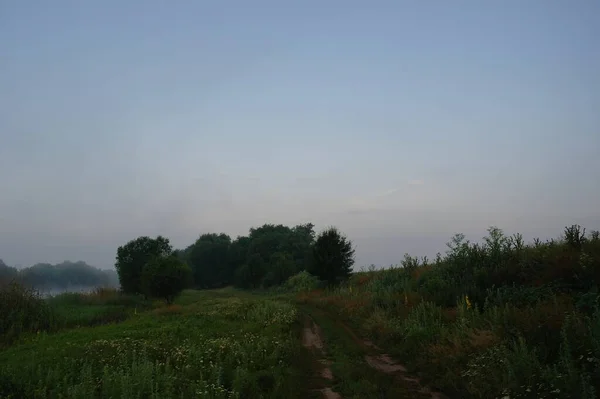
(213, 344)
(209, 344)
(497, 320)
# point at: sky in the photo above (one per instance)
(399, 122)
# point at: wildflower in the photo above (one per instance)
(468, 302)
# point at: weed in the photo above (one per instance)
(23, 310)
(496, 319)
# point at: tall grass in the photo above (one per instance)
(23, 310)
(101, 306)
(215, 347)
(494, 319)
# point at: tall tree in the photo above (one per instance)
(281, 267)
(165, 277)
(7, 273)
(134, 256)
(209, 260)
(256, 269)
(333, 257)
(302, 240)
(274, 251)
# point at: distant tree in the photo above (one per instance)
(272, 253)
(242, 277)
(133, 257)
(302, 240)
(238, 253)
(7, 273)
(333, 257)
(281, 267)
(165, 277)
(250, 274)
(267, 256)
(62, 276)
(209, 259)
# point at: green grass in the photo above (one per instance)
(493, 320)
(100, 307)
(214, 344)
(353, 377)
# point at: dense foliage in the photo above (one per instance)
(22, 310)
(496, 319)
(62, 276)
(209, 255)
(165, 277)
(333, 257)
(267, 257)
(206, 345)
(134, 256)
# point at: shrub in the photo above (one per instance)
(23, 310)
(165, 277)
(134, 256)
(303, 281)
(495, 319)
(333, 257)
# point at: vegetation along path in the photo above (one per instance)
(346, 366)
(208, 344)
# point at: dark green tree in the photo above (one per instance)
(242, 277)
(7, 273)
(303, 236)
(265, 247)
(133, 257)
(250, 274)
(333, 257)
(165, 277)
(281, 267)
(238, 252)
(210, 262)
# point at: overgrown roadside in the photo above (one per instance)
(356, 368)
(312, 340)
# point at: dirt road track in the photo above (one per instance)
(313, 339)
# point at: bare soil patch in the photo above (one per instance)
(312, 338)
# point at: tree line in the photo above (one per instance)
(61, 276)
(268, 256)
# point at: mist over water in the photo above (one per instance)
(50, 292)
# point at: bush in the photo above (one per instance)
(166, 277)
(333, 257)
(23, 310)
(303, 281)
(494, 319)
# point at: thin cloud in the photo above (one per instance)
(416, 182)
(369, 203)
(388, 192)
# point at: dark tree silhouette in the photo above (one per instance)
(333, 257)
(165, 277)
(133, 257)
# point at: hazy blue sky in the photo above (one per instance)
(400, 122)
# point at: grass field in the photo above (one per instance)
(496, 320)
(217, 344)
(209, 344)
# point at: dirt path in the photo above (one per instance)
(313, 339)
(386, 364)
